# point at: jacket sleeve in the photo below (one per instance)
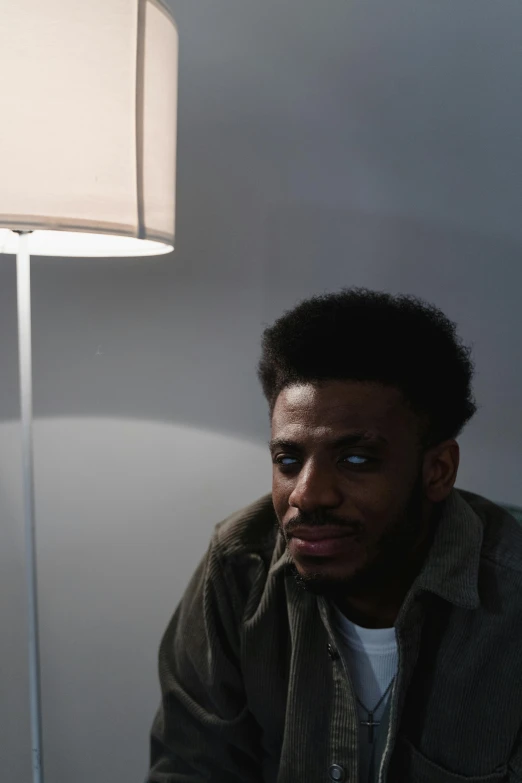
(203, 730)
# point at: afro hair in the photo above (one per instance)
(362, 335)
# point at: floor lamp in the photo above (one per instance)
(87, 163)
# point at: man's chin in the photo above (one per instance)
(327, 581)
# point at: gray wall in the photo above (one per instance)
(321, 145)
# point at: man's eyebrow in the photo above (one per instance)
(361, 438)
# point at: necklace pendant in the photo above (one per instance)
(371, 724)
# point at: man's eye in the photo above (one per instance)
(356, 459)
(285, 460)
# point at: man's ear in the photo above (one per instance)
(441, 464)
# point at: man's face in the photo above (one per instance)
(347, 464)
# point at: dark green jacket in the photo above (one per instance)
(254, 690)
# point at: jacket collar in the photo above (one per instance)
(452, 566)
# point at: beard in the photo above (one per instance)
(386, 560)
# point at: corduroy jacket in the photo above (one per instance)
(254, 691)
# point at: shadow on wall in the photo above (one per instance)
(125, 510)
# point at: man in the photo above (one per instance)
(364, 622)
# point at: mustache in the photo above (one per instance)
(321, 519)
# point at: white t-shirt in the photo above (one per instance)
(371, 657)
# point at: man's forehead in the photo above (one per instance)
(337, 403)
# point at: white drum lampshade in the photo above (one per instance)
(88, 97)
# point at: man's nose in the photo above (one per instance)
(316, 488)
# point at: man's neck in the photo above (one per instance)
(372, 612)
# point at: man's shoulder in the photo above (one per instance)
(253, 530)
(502, 541)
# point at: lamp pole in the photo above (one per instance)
(23, 284)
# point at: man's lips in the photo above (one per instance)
(320, 533)
(321, 541)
